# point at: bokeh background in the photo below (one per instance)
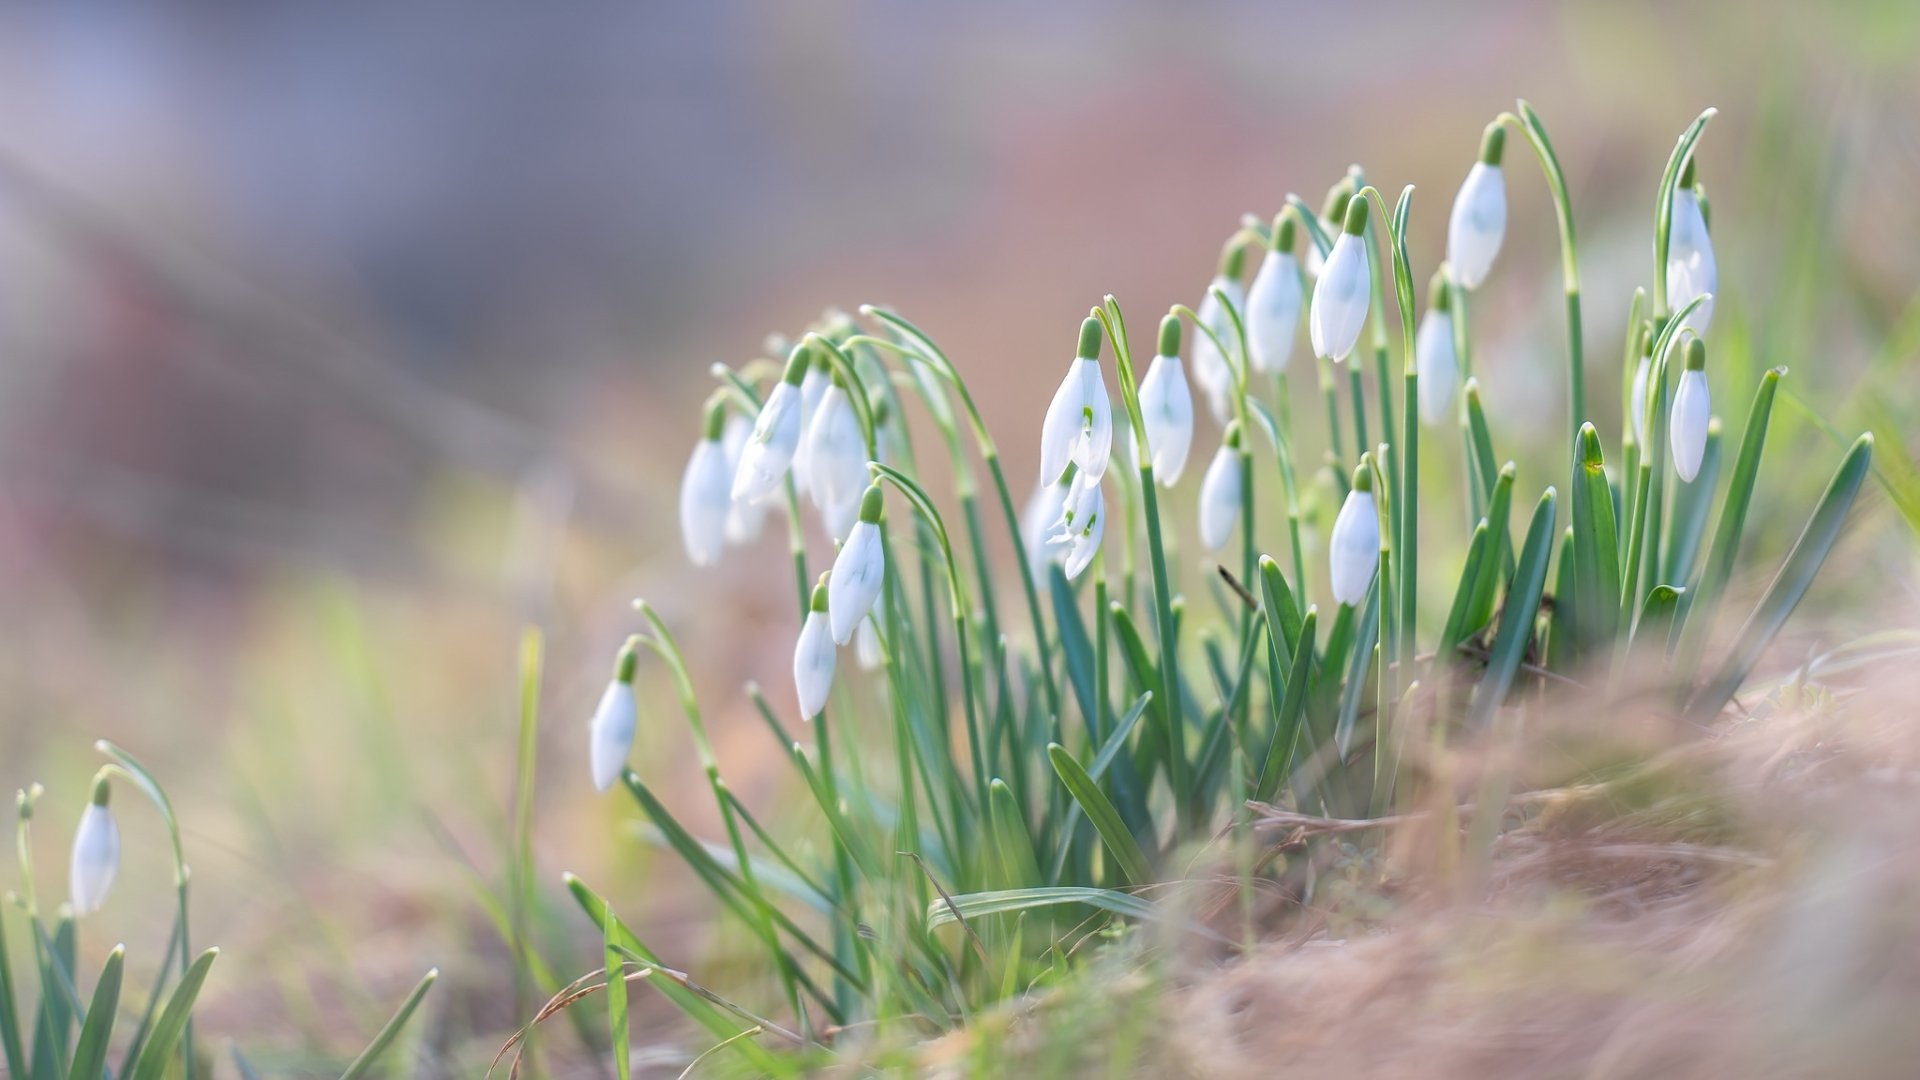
(338, 343)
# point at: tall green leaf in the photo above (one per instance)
(1516, 622)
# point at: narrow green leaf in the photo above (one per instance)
(1106, 820)
(9, 1014)
(1284, 742)
(1655, 628)
(618, 1043)
(1006, 901)
(1076, 646)
(157, 1055)
(1278, 606)
(1478, 556)
(1701, 605)
(90, 1054)
(1564, 612)
(1516, 622)
(1118, 738)
(1691, 504)
(1596, 554)
(391, 1030)
(1358, 664)
(1013, 845)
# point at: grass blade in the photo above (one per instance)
(1006, 901)
(90, 1054)
(1285, 740)
(1655, 628)
(392, 1029)
(1701, 605)
(1106, 820)
(1516, 623)
(1596, 555)
(170, 1030)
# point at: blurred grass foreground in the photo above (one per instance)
(352, 364)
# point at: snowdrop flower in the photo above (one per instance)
(1083, 521)
(1332, 212)
(837, 459)
(705, 492)
(1166, 406)
(813, 387)
(96, 852)
(866, 645)
(1479, 220)
(1079, 423)
(813, 655)
(768, 455)
(1353, 551)
(854, 585)
(610, 732)
(743, 518)
(1341, 295)
(1220, 492)
(1434, 358)
(1043, 509)
(1692, 412)
(1211, 368)
(1691, 268)
(1273, 303)
(1637, 397)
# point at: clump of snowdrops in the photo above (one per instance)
(1019, 759)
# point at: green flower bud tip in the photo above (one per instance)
(819, 600)
(1089, 340)
(1356, 217)
(797, 361)
(1337, 198)
(1492, 144)
(839, 379)
(1232, 437)
(628, 660)
(1233, 260)
(870, 504)
(102, 788)
(1696, 355)
(1438, 298)
(1283, 229)
(1170, 335)
(1590, 455)
(716, 418)
(1363, 475)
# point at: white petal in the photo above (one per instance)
(610, 734)
(1166, 406)
(1638, 399)
(1692, 270)
(768, 455)
(1692, 411)
(1061, 428)
(1095, 444)
(1220, 498)
(1210, 367)
(1478, 224)
(866, 646)
(1273, 311)
(813, 659)
(837, 454)
(813, 386)
(705, 502)
(1083, 521)
(1036, 523)
(96, 859)
(1438, 367)
(1340, 299)
(744, 519)
(854, 586)
(1354, 548)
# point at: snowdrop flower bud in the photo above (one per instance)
(1354, 549)
(838, 461)
(1083, 521)
(1434, 357)
(1043, 509)
(866, 645)
(96, 852)
(743, 518)
(1692, 412)
(705, 492)
(813, 387)
(854, 584)
(1479, 220)
(1637, 398)
(1341, 295)
(1079, 423)
(813, 655)
(1220, 492)
(1691, 268)
(610, 732)
(1332, 212)
(1273, 303)
(768, 455)
(1211, 367)
(1166, 406)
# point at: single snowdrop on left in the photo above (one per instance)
(1221, 491)
(706, 498)
(610, 732)
(96, 852)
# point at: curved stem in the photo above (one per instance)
(1528, 125)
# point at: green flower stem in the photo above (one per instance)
(1405, 519)
(1528, 124)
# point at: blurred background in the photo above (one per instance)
(338, 343)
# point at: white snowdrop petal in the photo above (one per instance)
(1437, 365)
(96, 859)
(854, 586)
(706, 500)
(1273, 311)
(813, 660)
(1478, 224)
(1081, 525)
(1687, 431)
(1220, 498)
(768, 455)
(866, 646)
(838, 458)
(610, 734)
(744, 519)
(1340, 299)
(1043, 509)
(1637, 400)
(1095, 445)
(1692, 270)
(1353, 551)
(1211, 368)
(1166, 406)
(813, 386)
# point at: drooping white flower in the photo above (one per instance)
(768, 455)
(1333, 211)
(1341, 295)
(610, 732)
(706, 498)
(813, 387)
(744, 519)
(1220, 492)
(1637, 399)
(1083, 521)
(1692, 413)
(866, 645)
(96, 853)
(1166, 407)
(813, 656)
(1079, 423)
(858, 570)
(837, 460)
(1353, 551)
(1435, 359)
(1037, 518)
(1479, 220)
(1692, 270)
(1213, 369)
(1273, 303)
